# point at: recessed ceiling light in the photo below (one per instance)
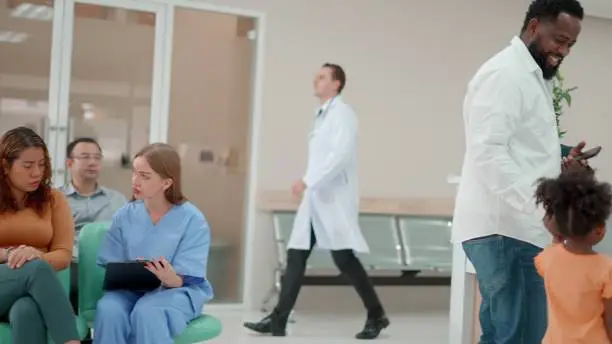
(12, 36)
(30, 11)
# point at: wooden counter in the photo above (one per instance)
(283, 201)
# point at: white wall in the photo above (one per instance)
(408, 63)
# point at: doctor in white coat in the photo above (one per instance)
(329, 209)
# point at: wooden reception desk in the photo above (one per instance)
(463, 324)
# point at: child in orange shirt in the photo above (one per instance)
(578, 280)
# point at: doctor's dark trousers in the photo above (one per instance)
(347, 263)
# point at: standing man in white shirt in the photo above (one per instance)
(329, 210)
(511, 142)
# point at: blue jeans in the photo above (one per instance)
(513, 306)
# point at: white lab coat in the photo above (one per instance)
(331, 200)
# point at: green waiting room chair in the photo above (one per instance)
(64, 277)
(91, 278)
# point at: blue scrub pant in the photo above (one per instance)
(156, 317)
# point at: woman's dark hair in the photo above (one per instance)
(577, 201)
(12, 144)
(166, 162)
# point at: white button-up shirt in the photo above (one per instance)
(511, 141)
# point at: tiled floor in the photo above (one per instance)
(325, 328)
(330, 315)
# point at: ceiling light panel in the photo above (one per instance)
(12, 36)
(34, 12)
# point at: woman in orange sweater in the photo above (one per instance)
(36, 233)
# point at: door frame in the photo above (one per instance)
(62, 75)
(248, 273)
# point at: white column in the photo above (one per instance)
(463, 294)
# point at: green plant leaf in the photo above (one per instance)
(568, 98)
(561, 94)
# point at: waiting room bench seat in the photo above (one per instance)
(396, 242)
(401, 247)
(427, 243)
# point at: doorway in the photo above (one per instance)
(128, 73)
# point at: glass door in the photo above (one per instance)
(110, 83)
(209, 123)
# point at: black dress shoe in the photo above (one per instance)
(272, 324)
(373, 327)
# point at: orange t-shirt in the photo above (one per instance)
(575, 287)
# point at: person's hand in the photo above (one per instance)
(3, 255)
(165, 272)
(577, 149)
(17, 257)
(298, 189)
(569, 162)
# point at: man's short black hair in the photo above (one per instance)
(73, 144)
(550, 9)
(337, 74)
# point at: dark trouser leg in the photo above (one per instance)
(74, 286)
(27, 324)
(513, 308)
(293, 278)
(37, 280)
(349, 264)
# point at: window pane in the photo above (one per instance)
(25, 54)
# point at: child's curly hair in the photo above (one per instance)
(576, 200)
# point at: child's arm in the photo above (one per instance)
(539, 264)
(608, 317)
(606, 295)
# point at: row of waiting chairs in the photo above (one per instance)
(398, 245)
(91, 277)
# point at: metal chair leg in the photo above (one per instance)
(271, 293)
(274, 290)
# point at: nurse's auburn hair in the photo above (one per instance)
(578, 202)
(166, 162)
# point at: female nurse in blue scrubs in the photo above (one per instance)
(160, 226)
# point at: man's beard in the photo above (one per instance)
(540, 58)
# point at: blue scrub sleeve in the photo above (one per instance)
(191, 255)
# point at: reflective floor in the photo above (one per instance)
(320, 328)
(326, 315)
